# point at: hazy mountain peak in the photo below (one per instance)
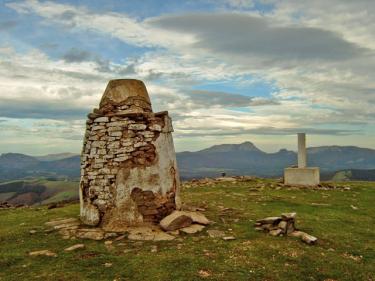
(245, 146)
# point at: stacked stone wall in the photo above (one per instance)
(128, 170)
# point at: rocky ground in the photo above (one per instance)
(229, 248)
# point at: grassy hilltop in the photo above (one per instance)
(343, 220)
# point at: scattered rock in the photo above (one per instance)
(90, 233)
(198, 218)
(228, 238)
(154, 249)
(320, 204)
(353, 257)
(176, 220)
(32, 231)
(74, 247)
(296, 233)
(46, 253)
(276, 232)
(194, 228)
(309, 239)
(204, 273)
(108, 264)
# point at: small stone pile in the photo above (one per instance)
(283, 225)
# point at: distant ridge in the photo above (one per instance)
(57, 156)
(234, 159)
(245, 146)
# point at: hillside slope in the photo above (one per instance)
(233, 159)
(345, 248)
(38, 191)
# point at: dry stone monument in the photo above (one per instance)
(302, 175)
(129, 174)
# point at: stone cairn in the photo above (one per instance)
(283, 225)
(129, 173)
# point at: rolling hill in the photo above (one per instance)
(20, 166)
(233, 159)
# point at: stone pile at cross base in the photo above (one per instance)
(129, 174)
(283, 225)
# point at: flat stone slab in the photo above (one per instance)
(145, 233)
(46, 253)
(229, 238)
(90, 233)
(176, 220)
(194, 228)
(197, 217)
(74, 247)
(269, 220)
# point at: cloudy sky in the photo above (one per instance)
(227, 70)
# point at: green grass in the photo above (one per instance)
(6, 195)
(62, 190)
(346, 248)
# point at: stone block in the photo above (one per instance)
(309, 176)
(101, 119)
(137, 127)
(155, 127)
(115, 134)
(95, 128)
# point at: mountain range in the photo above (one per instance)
(232, 159)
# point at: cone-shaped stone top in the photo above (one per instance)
(126, 95)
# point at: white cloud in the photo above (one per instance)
(319, 54)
